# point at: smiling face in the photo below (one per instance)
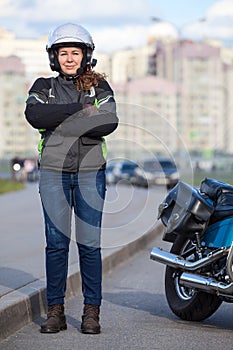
(70, 59)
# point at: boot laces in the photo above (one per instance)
(54, 310)
(91, 311)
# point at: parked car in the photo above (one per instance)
(122, 170)
(157, 171)
(24, 169)
(110, 176)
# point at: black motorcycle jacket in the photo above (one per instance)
(72, 124)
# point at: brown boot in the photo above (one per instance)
(56, 320)
(90, 319)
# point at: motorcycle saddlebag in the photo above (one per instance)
(222, 195)
(184, 211)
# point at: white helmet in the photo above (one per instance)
(70, 34)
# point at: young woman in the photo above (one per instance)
(73, 112)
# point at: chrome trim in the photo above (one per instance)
(177, 261)
(206, 284)
(229, 262)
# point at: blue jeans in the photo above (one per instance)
(61, 194)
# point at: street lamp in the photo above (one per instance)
(164, 26)
(179, 29)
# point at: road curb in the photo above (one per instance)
(27, 303)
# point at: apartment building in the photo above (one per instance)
(17, 137)
(33, 55)
(227, 106)
(147, 109)
(185, 85)
(203, 75)
(202, 110)
(21, 62)
(131, 64)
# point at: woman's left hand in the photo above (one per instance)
(89, 109)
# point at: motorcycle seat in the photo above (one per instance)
(222, 195)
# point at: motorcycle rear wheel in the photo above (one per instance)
(187, 303)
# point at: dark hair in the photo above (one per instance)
(90, 78)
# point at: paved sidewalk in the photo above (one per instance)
(129, 223)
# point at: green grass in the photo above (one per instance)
(217, 175)
(10, 186)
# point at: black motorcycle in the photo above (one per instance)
(199, 224)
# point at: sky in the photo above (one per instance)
(118, 24)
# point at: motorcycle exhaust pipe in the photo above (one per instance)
(205, 284)
(178, 262)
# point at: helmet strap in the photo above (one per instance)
(68, 77)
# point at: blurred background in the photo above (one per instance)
(169, 63)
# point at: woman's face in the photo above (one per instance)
(70, 59)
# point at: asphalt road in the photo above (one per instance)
(134, 315)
